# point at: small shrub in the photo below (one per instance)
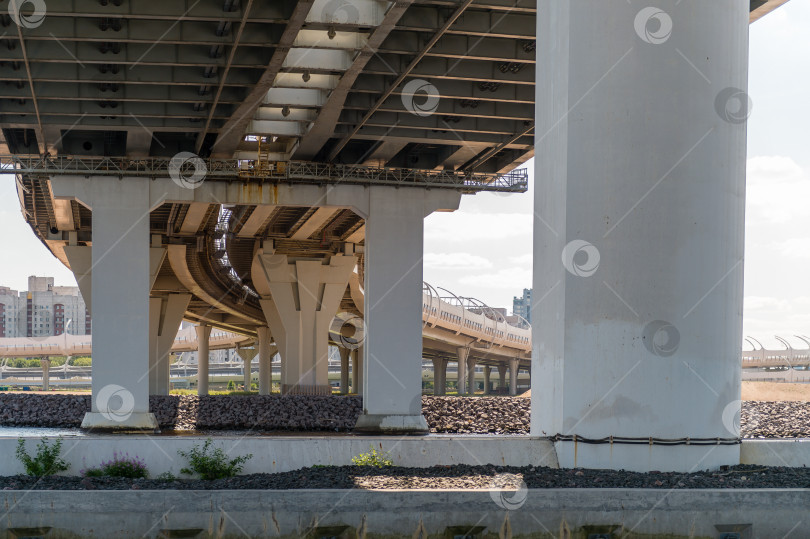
(166, 476)
(231, 385)
(92, 472)
(46, 461)
(374, 458)
(211, 465)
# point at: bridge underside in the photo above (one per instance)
(448, 89)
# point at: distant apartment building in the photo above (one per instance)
(43, 310)
(523, 305)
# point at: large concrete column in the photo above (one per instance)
(304, 299)
(487, 372)
(203, 334)
(45, 363)
(247, 355)
(514, 369)
(439, 376)
(165, 315)
(461, 374)
(392, 396)
(344, 368)
(266, 353)
(120, 284)
(638, 235)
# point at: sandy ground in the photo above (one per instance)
(775, 391)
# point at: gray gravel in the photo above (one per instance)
(445, 477)
(274, 413)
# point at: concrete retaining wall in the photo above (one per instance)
(792, 453)
(281, 454)
(762, 514)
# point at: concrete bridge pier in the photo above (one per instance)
(461, 373)
(357, 371)
(514, 369)
(304, 297)
(266, 353)
(45, 363)
(487, 373)
(120, 283)
(247, 355)
(439, 376)
(394, 244)
(501, 377)
(165, 315)
(203, 357)
(344, 369)
(638, 234)
(471, 385)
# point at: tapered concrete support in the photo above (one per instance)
(471, 385)
(203, 334)
(46, 373)
(344, 369)
(304, 299)
(487, 372)
(247, 355)
(357, 371)
(392, 395)
(514, 369)
(439, 376)
(80, 258)
(501, 377)
(639, 199)
(120, 284)
(165, 315)
(461, 373)
(266, 352)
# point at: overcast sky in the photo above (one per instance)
(484, 249)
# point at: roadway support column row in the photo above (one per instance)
(165, 315)
(357, 371)
(471, 385)
(266, 353)
(344, 369)
(514, 369)
(639, 231)
(247, 355)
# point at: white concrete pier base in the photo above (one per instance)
(203, 334)
(392, 377)
(638, 234)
